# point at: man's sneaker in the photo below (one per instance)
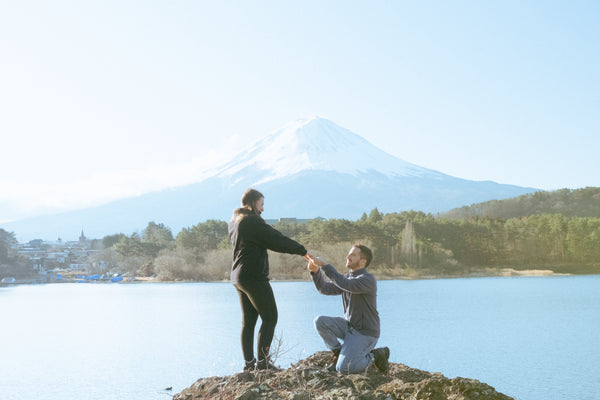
(249, 365)
(263, 365)
(382, 355)
(334, 359)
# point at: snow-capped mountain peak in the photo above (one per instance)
(316, 143)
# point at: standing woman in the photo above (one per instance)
(251, 236)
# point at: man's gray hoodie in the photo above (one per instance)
(359, 296)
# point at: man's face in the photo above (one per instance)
(260, 205)
(353, 261)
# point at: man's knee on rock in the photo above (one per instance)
(348, 365)
(344, 366)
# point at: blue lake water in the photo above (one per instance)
(530, 338)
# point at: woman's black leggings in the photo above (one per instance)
(257, 299)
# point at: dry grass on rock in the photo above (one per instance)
(308, 380)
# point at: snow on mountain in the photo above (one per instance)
(308, 168)
(316, 144)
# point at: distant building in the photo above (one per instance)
(36, 243)
(48, 256)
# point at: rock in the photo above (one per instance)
(307, 379)
(301, 396)
(247, 395)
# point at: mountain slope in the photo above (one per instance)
(308, 168)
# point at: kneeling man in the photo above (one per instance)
(359, 329)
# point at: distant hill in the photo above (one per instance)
(570, 203)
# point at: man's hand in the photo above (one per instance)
(314, 262)
(312, 267)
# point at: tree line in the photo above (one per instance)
(583, 202)
(404, 244)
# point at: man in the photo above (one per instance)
(359, 329)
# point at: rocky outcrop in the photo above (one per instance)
(308, 380)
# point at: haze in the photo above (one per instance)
(103, 100)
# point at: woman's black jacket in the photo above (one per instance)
(251, 236)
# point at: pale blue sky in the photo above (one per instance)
(102, 99)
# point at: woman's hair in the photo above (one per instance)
(250, 197)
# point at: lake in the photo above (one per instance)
(529, 337)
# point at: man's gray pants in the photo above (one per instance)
(355, 353)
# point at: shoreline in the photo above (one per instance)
(486, 273)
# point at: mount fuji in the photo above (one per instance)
(308, 168)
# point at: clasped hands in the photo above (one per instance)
(314, 262)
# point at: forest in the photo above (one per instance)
(408, 244)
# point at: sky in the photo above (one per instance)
(101, 100)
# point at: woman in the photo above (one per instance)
(251, 236)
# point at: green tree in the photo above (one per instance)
(110, 240)
(374, 216)
(291, 229)
(128, 246)
(158, 234)
(8, 244)
(205, 236)
(329, 231)
(363, 218)
(202, 237)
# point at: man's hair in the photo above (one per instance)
(365, 253)
(250, 197)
